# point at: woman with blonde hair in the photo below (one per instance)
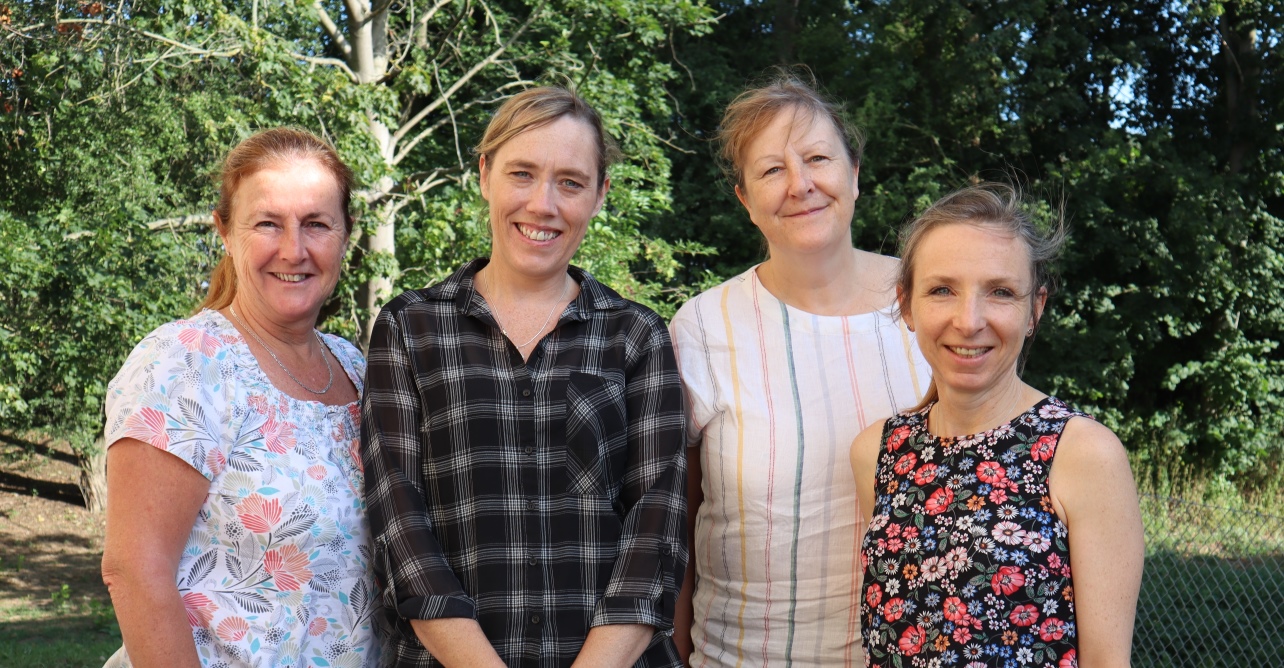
(783, 365)
(1003, 524)
(236, 529)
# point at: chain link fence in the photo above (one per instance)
(1212, 593)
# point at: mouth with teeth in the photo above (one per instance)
(535, 234)
(968, 352)
(290, 278)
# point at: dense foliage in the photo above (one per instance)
(1159, 125)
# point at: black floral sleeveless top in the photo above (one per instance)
(965, 562)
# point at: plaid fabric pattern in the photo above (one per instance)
(543, 497)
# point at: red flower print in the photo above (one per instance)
(279, 437)
(1052, 629)
(200, 609)
(910, 533)
(195, 339)
(215, 461)
(906, 463)
(939, 501)
(288, 566)
(1069, 660)
(955, 609)
(258, 514)
(259, 403)
(998, 496)
(1043, 449)
(911, 641)
(316, 472)
(962, 634)
(990, 472)
(1024, 615)
(925, 474)
(893, 530)
(148, 426)
(893, 609)
(1007, 580)
(233, 629)
(894, 545)
(874, 595)
(317, 627)
(897, 438)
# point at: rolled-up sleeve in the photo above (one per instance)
(410, 567)
(644, 583)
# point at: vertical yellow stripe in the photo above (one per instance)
(740, 473)
(909, 358)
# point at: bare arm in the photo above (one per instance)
(684, 615)
(152, 501)
(864, 456)
(1093, 492)
(456, 641)
(614, 645)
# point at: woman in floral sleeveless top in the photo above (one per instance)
(1003, 527)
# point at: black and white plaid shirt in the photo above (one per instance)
(542, 498)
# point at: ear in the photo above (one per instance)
(740, 195)
(601, 195)
(221, 228)
(856, 182)
(1040, 300)
(902, 303)
(484, 170)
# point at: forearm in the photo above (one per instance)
(153, 622)
(456, 641)
(614, 645)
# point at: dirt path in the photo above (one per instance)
(47, 537)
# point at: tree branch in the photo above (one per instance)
(331, 29)
(197, 51)
(182, 221)
(331, 62)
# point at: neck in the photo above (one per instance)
(820, 283)
(496, 278)
(965, 413)
(291, 334)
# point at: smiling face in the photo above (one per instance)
(286, 238)
(542, 189)
(971, 303)
(799, 185)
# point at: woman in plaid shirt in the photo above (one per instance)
(523, 431)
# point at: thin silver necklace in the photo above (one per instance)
(328, 369)
(566, 285)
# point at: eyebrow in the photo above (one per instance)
(530, 166)
(818, 144)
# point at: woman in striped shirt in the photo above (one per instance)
(783, 366)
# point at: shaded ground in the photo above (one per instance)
(50, 545)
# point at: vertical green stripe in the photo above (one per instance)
(793, 550)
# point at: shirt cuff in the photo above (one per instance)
(437, 607)
(628, 610)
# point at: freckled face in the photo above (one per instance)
(799, 185)
(287, 238)
(542, 189)
(970, 306)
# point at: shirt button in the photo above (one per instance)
(535, 619)
(532, 562)
(665, 549)
(532, 505)
(526, 393)
(530, 450)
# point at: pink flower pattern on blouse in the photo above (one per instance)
(276, 568)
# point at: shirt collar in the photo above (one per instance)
(461, 288)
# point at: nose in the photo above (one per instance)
(291, 246)
(969, 315)
(799, 178)
(542, 201)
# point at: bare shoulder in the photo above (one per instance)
(867, 443)
(879, 273)
(1086, 442)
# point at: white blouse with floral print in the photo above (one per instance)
(276, 569)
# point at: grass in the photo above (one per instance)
(1212, 591)
(74, 638)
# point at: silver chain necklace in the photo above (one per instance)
(328, 369)
(566, 285)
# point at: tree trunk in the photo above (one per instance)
(1240, 72)
(93, 475)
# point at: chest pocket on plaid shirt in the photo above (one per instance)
(596, 433)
